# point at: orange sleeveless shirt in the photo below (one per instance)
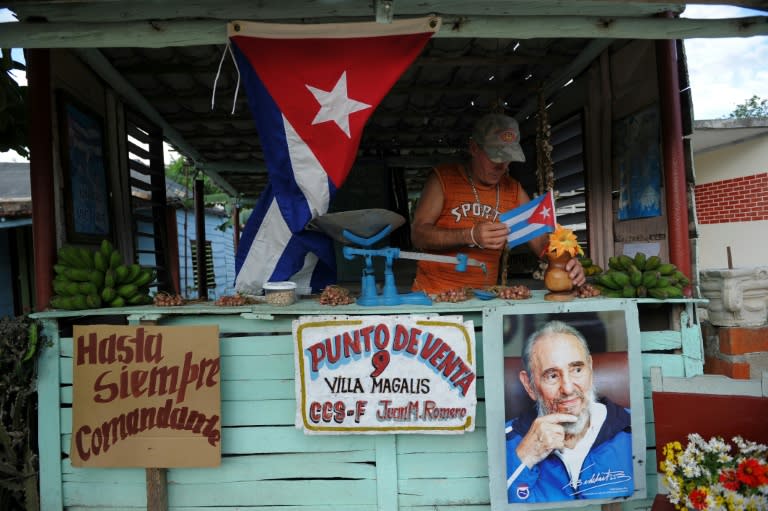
(461, 211)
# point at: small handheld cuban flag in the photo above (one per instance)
(311, 89)
(530, 220)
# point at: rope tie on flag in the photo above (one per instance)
(227, 49)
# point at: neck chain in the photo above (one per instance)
(477, 197)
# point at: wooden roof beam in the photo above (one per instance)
(160, 68)
(137, 10)
(159, 34)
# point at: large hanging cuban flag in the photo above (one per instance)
(311, 89)
(530, 220)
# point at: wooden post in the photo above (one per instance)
(41, 173)
(236, 224)
(157, 489)
(672, 154)
(174, 272)
(156, 478)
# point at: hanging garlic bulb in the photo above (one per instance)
(545, 175)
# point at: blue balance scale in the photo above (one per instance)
(365, 228)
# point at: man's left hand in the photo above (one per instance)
(576, 272)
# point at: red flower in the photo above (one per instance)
(762, 474)
(752, 473)
(698, 498)
(729, 480)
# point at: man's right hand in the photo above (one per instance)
(545, 435)
(492, 235)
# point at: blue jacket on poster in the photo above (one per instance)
(606, 472)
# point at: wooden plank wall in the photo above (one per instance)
(267, 462)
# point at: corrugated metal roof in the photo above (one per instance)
(474, 65)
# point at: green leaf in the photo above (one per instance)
(753, 108)
(32, 342)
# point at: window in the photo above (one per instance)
(148, 199)
(210, 277)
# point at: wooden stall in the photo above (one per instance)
(266, 461)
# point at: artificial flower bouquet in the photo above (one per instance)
(563, 241)
(706, 475)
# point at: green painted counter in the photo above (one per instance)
(268, 464)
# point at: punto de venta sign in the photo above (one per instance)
(385, 374)
(146, 396)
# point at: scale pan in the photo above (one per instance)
(363, 223)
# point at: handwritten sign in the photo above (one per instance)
(146, 396)
(383, 374)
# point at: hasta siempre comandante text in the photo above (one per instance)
(97, 440)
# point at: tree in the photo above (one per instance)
(753, 108)
(13, 109)
(186, 176)
(213, 195)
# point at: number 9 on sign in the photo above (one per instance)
(380, 361)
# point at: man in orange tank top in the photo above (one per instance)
(459, 208)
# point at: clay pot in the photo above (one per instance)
(556, 279)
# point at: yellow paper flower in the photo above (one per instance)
(564, 241)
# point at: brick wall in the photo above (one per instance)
(737, 352)
(741, 199)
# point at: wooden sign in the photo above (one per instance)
(146, 396)
(384, 374)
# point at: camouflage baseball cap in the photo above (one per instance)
(499, 137)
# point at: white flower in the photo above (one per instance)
(724, 458)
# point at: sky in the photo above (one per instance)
(723, 72)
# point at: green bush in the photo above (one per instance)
(18, 415)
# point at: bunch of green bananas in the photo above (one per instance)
(641, 277)
(92, 279)
(590, 268)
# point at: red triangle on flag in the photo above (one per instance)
(298, 71)
(544, 212)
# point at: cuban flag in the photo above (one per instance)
(530, 220)
(311, 89)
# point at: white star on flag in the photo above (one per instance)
(336, 105)
(545, 212)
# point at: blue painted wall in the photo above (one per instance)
(223, 246)
(6, 284)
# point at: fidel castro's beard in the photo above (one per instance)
(571, 428)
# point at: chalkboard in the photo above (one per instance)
(83, 158)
